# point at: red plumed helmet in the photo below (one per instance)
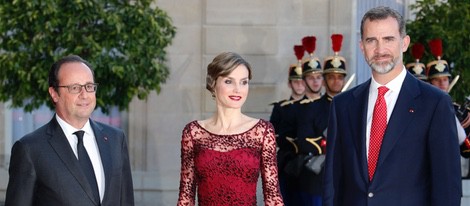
(436, 48)
(417, 51)
(337, 40)
(439, 67)
(299, 52)
(416, 68)
(335, 63)
(309, 43)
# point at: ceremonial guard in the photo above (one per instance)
(297, 87)
(312, 121)
(282, 118)
(438, 72)
(309, 182)
(312, 73)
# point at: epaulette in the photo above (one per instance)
(278, 102)
(305, 101)
(287, 102)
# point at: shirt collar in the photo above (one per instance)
(394, 85)
(69, 129)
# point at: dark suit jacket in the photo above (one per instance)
(419, 161)
(44, 170)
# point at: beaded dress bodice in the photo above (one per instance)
(224, 169)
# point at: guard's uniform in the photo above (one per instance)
(314, 120)
(465, 146)
(283, 120)
(440, 68)
(308, 190)
(309, 143)
(311, 130)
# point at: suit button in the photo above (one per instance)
(370, 194)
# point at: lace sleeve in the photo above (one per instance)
(272, 195)
(187, 178)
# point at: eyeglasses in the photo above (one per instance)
(77, 88)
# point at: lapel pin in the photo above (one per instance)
(105, 139)
(411, 110)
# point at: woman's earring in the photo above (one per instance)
(213, 96)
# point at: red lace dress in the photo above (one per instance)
(224, 169)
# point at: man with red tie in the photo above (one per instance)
(392, 140)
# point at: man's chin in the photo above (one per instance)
(85, 113)
(382, 69)
(443, 89)
(317, 91)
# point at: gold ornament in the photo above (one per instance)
(440, 66)
(298, 70)
(336, 62)
(417, 69)
(313, 63)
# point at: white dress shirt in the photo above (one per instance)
(391, 97)
(89, 141)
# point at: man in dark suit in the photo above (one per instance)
(45, 168)
(416, 159)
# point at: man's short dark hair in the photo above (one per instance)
(383, 12)
(54, 71)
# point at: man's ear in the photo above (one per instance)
(406, 43)
(54, 95)
(361, 46)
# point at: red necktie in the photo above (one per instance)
(379, 124)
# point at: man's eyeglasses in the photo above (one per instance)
(77, 88)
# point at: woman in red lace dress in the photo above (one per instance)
(222, 157)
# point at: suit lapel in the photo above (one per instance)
(358, 120)
(61, 146)
(401, 116)
(103, 146)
